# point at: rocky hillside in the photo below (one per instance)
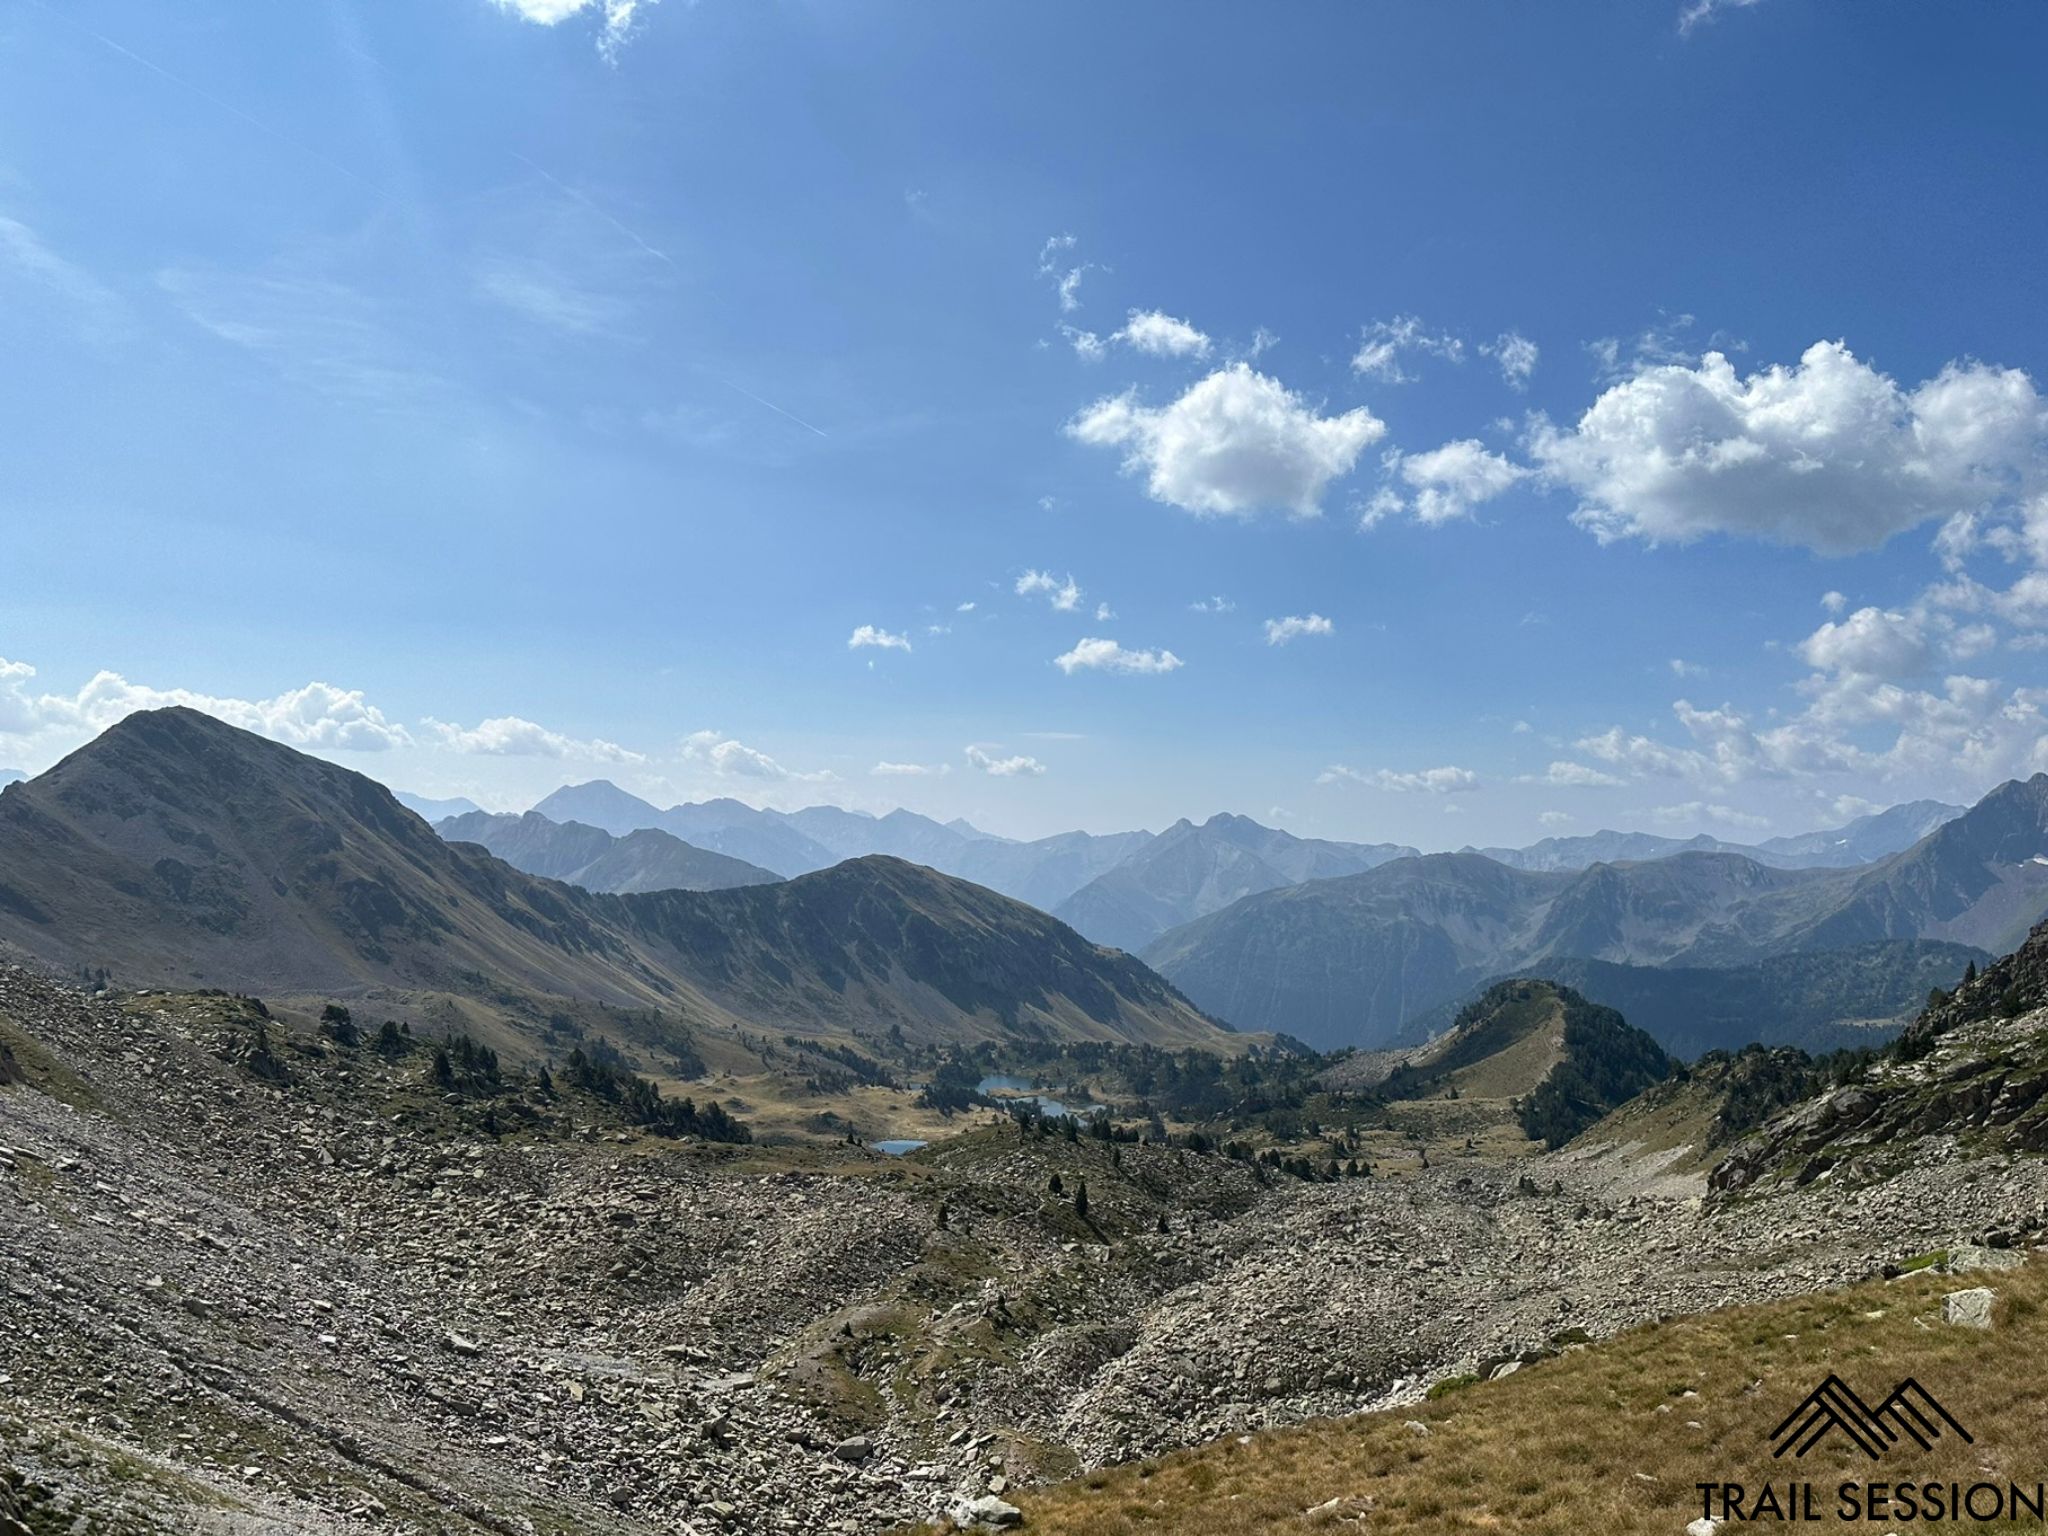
(176, 850)
(1347, 961)
(1971, 1071)
(644, 860)
(255, 1279)
(1826, 1000)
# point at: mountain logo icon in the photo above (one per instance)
(1910, 1414)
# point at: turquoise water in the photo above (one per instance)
(896, 1147)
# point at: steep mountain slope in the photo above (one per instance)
(1971, 1071)
(1189, 871)
(11, 776)
(1337, 962)
(1866, 839)
(1820, 1001)
(428, 810)
(1980, 879)
(179, 850)
(645, 860)
(1343, 962)
(602, 804)
(1603, 847)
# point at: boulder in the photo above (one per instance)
(1968, 1309)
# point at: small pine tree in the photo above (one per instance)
(444, 1069)
(1056, 1186)
(1970, 973)
(1081, 1199)
(942, 1216)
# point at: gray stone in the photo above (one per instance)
(1968, 1309)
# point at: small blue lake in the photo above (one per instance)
(896, 1146)
(1001, 1085)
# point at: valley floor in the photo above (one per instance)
(233, 1304)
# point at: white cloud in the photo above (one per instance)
(1425, 781)
(911, 770)
(1692, 812)
(1701, 11)
(1563, 775)
(1382, 344)
(868, 635)
(618, 17)
(1830, 454)
(1161, 335)
(1212, 605)
(318, 716)
(1066, 279)
(734, 759)
(1871, 642)
(1065, 595)
(1104, 613)
(1833, 602)
(1004, 767)
(1108, 656)
(1515, 355)
(967, 607)
(536, 291)
(1556, 818)
(1683, 668)
(510, 736)
(1235, 443)
(1450, 481)
(1280, 631)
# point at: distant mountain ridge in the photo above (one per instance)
(1861, 841)
(180, 851)
(434, 810)
(644, 860)
(1346, 961)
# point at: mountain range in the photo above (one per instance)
(435, 810)
(177, 850)
(1861, 841)
(643, 860)
(1128, 888)
(1348, 960)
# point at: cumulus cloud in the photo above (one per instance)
(1004, 767)
(1871, 642)
(319, 716)
(888, 770)
(734, 759)
(1383, 344)
(510, 736)
(1108, 656)
(1426, 781)
(880, 639)
(1829, 455)
(1064, 595)
(1161, 335)
(617, 17)
(1515, 355)
(1450, 481)
(1280, 631)
(1236, 443)
(1212, 605)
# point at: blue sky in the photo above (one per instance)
(1637, 415)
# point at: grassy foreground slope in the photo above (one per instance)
(1613, 1437)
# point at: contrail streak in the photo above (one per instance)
(568, 191)
(771, 405)
(207, 96)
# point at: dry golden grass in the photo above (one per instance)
(1612, 1438)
